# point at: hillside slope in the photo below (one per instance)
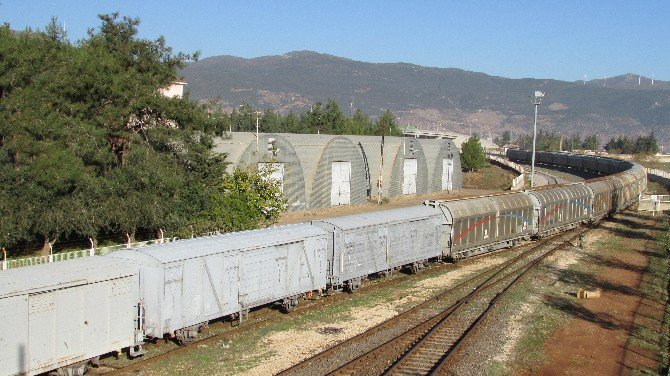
(435, 98)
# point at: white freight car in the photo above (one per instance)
(380, 241)
(185, 284)
(65, 313)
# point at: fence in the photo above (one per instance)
(62, 256)
(662, 177)
(517, 182)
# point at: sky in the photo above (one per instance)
(565, 40)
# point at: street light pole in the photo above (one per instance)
(257, 115)
(538, 98)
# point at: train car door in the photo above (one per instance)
(172, 294)
(409, 176)
(230, 295)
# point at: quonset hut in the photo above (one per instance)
(404, 170)
(272, 153)
(444, 164)
(318, 171)
(333, 167)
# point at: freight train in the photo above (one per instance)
(59, 317)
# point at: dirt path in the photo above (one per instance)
(394, 203)
(598, 337)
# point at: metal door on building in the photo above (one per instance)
(409, 177)
(275, 172)
(447, 174)
(340, 191)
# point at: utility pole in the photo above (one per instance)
(538, 99)
(258, 113)
(381, 168)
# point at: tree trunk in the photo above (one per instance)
(130, 238)
(46, 247)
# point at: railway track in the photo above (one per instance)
(420, 340)
(257, 320)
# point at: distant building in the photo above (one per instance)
(174, 90)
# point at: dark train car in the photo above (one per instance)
(560, 159)
(576, 161)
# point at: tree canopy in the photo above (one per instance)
(624, 145)
(472, 155)
(89, 146)
(550, 141)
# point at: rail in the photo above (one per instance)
(369, 352)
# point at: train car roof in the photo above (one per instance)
(383, 216)
(209, 245)
(62, 274)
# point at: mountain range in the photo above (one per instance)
(436, 98)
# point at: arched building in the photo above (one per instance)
(318, 171)
(444, 164)
(404, 170)
(333, 167)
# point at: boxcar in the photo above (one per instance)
(576, 161)
(610, 166)
(628, 188)
(543, 157)
(591, 163)
(560, 159)
(470, 225)
(65, 313)
(519, 155)
(514, 217)
(375, 242)
(560, 208)
(640, 176)
(187, 283)
(603, 198)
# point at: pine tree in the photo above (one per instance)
(472, 156)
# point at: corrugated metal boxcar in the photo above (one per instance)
(55, 315)
(604, 198)
(519, 155)
(515, 216)
(560, 208)
(376, 242)
(471, 225)
(483, 224)
(543, 157)
(187, 283)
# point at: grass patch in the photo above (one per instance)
(657, 340)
